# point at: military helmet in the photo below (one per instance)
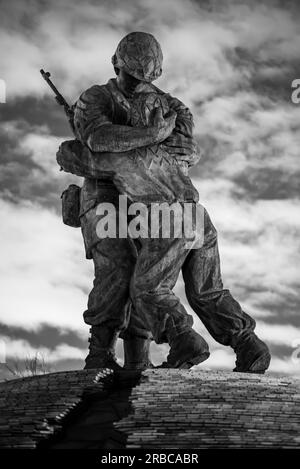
(139, 54)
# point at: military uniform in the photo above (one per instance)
(116, 260)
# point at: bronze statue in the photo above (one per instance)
(144, 151)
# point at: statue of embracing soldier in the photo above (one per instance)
(134, 144)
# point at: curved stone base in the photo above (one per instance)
(159, 409)
(205, 409)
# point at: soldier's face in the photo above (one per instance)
(127, 83)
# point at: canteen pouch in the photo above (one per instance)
(71, 206)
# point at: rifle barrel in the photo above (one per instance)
(46, 76)
(60, 99)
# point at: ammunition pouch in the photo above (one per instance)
(71, 206)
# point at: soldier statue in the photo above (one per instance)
(134, 139)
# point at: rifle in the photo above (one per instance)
(60, 99)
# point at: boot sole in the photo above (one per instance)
(96, 366)
(186, 364)
(150, 366)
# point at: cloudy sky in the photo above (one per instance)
(233, 63)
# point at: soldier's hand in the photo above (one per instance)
(157, 116)
(179, 144)
(163, 125)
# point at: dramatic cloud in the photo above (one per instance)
(22, 349)
(44, 275)
(233, 63)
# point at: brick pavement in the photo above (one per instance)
(158, 409)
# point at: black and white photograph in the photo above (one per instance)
(150, 222)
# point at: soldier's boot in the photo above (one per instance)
(187, 348)
(252, 355)
(137, 353)
(102, 348)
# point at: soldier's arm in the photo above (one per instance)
(182, 135)
(184, 121)
(121, 138)
(94, 126)
(181, 143)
